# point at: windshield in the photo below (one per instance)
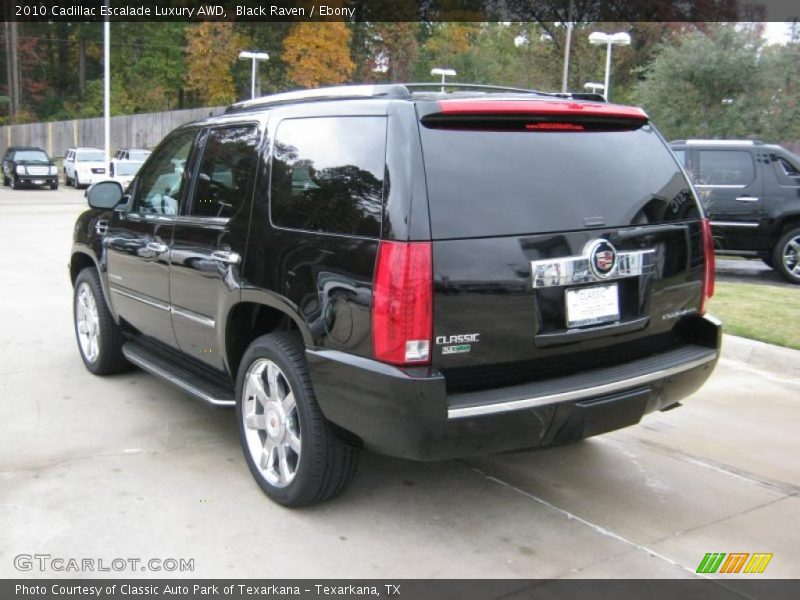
(91, 156)
(31, 155)
(139, 154)
(127, 168)
(491, 183)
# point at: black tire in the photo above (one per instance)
(109, 358)
(786, 256)
(76, 183)
(54, 186)
(14, 184)
(5, 181)
(326, 463)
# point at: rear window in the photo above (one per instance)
(91, 156)
(485, 183)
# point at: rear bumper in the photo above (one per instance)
(408, 413)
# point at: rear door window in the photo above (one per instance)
(484, 183)
(328, 173)
(725, 167)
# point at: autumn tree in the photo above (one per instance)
(318, 54)
(212, 49)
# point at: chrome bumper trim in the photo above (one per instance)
(580, 394)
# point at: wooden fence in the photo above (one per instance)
(130, 131)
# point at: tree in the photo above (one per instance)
(705, 85)
(212, 49)
(318, 54)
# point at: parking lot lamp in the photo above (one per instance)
(599, 38)
(444, 73)
(255, 57)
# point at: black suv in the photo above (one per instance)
(751, 193)
(424, 274)
(28, 165)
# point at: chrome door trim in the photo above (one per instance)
(580, 394)
(723, 186)
(115, 289)
(193, 316)
(734, 224)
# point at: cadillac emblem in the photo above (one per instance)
(602, 258)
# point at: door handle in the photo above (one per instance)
(747, 199)
(157, 247)
(223, 256)
(101, 227)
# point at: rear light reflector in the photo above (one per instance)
(402, 303)
(539, 107)
(708, 265)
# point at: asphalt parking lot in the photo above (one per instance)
(128, 466)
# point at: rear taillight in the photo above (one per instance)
(708, 265)
(402, 303)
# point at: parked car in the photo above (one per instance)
(123, 171)
(134, 154)
(752, 195)
(84, 166)
(427, 275)
(30, 166)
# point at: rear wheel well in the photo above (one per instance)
(789, 223)
(78, 263)
(248, 321)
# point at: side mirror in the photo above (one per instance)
(105, 194)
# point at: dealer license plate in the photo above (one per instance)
(593, 305)
(38, 182)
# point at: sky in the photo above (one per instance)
(776, 32)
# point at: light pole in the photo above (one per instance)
(444, 73)
(107, 88)
(598, 38)
(255, 57)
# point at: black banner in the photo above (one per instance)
(479, 589)
(402, 10)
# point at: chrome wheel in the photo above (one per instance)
(791, 256)
(87, 322)
(271, 422)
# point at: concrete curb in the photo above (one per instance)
(775, 359)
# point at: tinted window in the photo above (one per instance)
(491, 183)
(327, 174)
(786, 171)
(681, 156)
(724, 167)
(31, 155)
(223, 181)
(161, 182)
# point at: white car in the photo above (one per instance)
(84, 166)
(123, 171)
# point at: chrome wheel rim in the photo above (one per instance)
(271, 422)
(791, 256)
(87, 322)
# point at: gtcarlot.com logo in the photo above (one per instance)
(61, 564)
